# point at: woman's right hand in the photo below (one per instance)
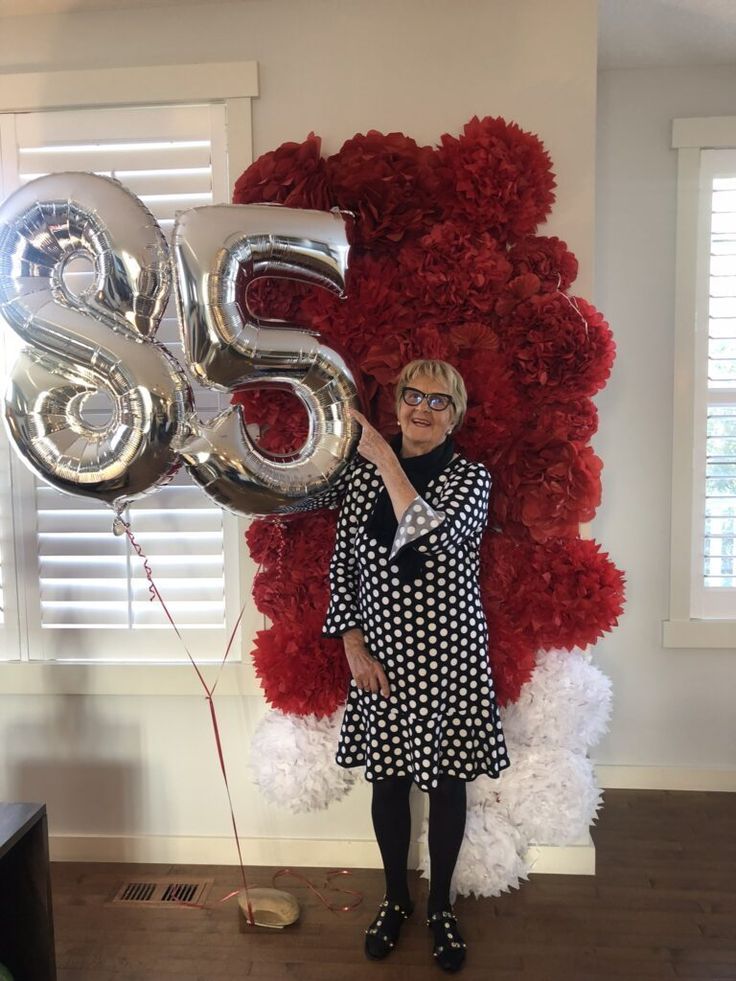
(366, 670)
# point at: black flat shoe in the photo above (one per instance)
(383, 933)
(449, 946)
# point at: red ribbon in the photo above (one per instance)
(278, 530)
(328, 876)
(155, 594)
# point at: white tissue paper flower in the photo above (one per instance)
(293, 764)
(491, 856)
(483, 789)
(566, 703)
(549, 794)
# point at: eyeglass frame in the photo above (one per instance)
(426, 396)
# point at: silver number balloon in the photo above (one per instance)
(226, 347)
(98, 342)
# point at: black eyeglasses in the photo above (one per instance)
(435, 400)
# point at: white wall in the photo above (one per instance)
(145, 766)
(672, 707)
(338, 67)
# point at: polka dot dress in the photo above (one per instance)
(430, 635)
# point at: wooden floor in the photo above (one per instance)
(662, 905)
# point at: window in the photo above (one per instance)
(84, 595)
(714, 591)
(703, 560)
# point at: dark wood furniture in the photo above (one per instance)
(26, 924)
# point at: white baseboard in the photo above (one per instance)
(664, 778)
(576, 859)
(170, 850)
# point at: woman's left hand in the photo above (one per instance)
(372, 445)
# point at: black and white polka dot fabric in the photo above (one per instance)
(430, 636)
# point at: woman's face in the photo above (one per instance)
(423, 428)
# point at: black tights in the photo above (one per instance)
(392, 824)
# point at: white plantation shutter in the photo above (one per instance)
(9, 626)
(86, 592)
(91, 578)
(714, 586)
(9, 621)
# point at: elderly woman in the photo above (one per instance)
(405, 598)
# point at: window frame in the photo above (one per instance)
(234, 85)
(690, 137)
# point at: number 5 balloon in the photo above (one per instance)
(98, 342)
(225, 347)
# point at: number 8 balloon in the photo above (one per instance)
(100, 341)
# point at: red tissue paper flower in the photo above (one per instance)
(546, 489)
(280, 415)
(455, 271)
(564, 593)
(496, 412)
(558, 350)
(294, 548)
(294, 581)
(496, 176)
(375, 306)
(386, 357)
(301, 672)
(518, 289)
(548, 258)
(512, 655)
(388, 182)
(575, 421)
(272, 298)
(294, 174)
(265, 539)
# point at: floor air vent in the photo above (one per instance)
(162, 892)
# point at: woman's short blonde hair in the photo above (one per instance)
(450, 379)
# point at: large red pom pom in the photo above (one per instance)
(270, 298)
(454, 273)
(497, 177)
(512, 655)
(546, 490)
(564, 593)
(387, 182)
(575, 421)
(295, 568)
(496, 411)
(548, 258)
(280, 415)
(558, 350)
(301, 672)
(376, 306)
(294, 175)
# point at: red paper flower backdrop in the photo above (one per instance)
(445, 264)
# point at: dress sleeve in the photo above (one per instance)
(343, 613)
(462, 512)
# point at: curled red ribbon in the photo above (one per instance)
(318, 894)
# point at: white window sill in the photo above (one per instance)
(55, 678)
(715, 634)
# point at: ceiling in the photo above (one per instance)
(632, 33)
